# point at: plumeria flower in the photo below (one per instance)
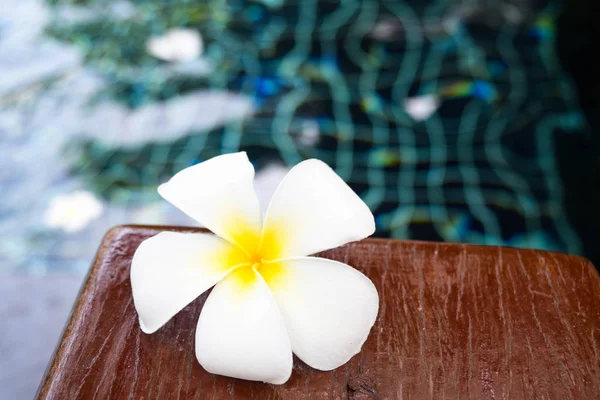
(270, 299)
(177, 45)
(72, 212)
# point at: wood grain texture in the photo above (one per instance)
(455, 321)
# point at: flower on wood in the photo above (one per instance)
(269, 298)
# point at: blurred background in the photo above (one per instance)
(472, 121)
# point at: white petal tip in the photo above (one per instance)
(331, 367)
(280, 381)
(162, 190)
(372, 225)
(146, 329)
(250, 377)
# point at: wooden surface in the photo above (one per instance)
(455, 321)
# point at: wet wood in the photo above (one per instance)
(455, 321)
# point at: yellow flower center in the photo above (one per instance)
(271, 272)
(256, 253)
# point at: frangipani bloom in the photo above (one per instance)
(270, 299)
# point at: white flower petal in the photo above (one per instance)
(219, 194)
(241, 333)
(171, 269)
(328, 308)
(313, 210)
